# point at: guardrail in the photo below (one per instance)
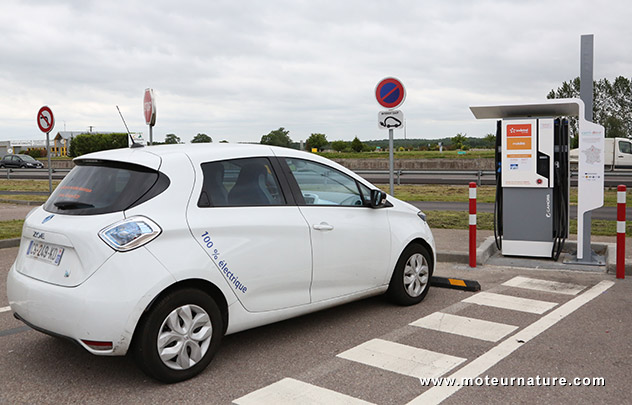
(477, 175)
(8, 172)
(469, 175)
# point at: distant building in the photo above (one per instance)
(61, 142)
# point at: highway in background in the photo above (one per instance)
(485, 177)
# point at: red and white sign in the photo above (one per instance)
(149, 107)
(390, 93)
(45, 119)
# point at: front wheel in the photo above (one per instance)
(411, 279)
(180, 335)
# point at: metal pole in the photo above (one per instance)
(586, 95)
(391, 165)
(50, 168)
(151, 135)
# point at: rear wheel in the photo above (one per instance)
(180, 335)
(411, 279)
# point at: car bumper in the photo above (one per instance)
(105, 308)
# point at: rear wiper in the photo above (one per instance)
(71, 205)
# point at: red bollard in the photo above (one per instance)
(472, 224)
(621, 231)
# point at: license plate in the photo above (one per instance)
(43, 251)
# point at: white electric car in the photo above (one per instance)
(162, 250)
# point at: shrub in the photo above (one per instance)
(94, 142)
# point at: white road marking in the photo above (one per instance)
(483, 363)
(464, 326)
(5, 309)
(544, 285)
(509, 302)
(402, 359)
(291, 391)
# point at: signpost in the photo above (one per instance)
(149, 109)
(390, 93)
(46, 122)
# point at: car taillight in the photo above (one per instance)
(130, 233)
(96, 345)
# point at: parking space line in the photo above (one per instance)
(464, 326)
(544, 285)
(402, 359)
(483, 363)
(291, 391)
(509, 302)
(5, 309)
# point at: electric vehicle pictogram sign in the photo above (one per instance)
(45, 119)
(390, 92)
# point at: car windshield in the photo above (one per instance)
(100, 187)
(28, 158)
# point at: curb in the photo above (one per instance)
(9, 243)
(483, 253)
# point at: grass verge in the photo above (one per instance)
(460, 220)
(11, 229)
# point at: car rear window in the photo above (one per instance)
(101, 187)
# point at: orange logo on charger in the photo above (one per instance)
(519, 130)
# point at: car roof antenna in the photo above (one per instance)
(134, 144)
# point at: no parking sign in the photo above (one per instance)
(390, 93)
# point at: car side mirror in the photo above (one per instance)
(378, 199)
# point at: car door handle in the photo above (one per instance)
(323, 226)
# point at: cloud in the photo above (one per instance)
(237, 70)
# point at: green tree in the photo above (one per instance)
(201, 138)
(94, 142)
(612, 104)
(459, 141)
(339, 146)
(172, 139)
(490, 141)
(279, 137)
(317, 141)
(357, 145)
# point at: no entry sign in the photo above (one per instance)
(390, 92)
(45, 119)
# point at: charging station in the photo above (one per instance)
(532, 186)
(531, 214)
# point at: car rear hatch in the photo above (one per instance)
(60, 240)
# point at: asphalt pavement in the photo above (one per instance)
(569, 324)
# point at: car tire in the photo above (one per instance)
(411, 279)
(179, 336)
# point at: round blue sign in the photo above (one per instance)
(390, 93)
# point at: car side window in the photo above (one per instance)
(323, 185)
(624, 147)
(240, 182)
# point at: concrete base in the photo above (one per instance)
(487, 253)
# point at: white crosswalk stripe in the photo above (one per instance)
(464, 326)
(509, 302)
(402, 359)
(291, 391)
(544, 285)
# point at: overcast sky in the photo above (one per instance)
(238, 69)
